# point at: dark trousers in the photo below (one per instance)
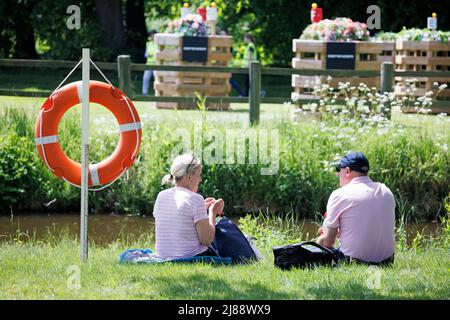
(236, 87)
(247, 85)
(342, 257)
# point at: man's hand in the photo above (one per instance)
(327, 237)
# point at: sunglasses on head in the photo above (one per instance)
(187, 168)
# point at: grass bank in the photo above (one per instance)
(50, 269)
(410, 158)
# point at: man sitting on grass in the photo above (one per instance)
(362, 212)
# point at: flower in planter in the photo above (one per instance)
(339, 29)
(190, 25)
(415, 34)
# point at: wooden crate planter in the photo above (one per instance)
(172, 83)
(311, 54)
(423, 56)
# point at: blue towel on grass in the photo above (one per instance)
(147, 256)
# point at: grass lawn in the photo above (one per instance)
(239, 113)
(47, 271)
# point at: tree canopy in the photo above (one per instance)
(37, 28)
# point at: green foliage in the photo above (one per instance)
(415, 34)
(49, 20)
(410, 161)
(274, 23)
(17, 170)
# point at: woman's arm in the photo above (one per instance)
(206, 229)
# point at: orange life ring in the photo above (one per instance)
(46, 133)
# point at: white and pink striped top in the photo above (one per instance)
(176, 212)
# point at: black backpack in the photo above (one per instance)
(229, 241)
(307, 254)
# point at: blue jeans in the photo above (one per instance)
(236, 87)
(148, 76)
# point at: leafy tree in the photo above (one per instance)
(112, 27)
(15, 24)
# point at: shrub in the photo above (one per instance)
(19, 179)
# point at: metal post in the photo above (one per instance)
(124, 70)
(84, 155)
(255, 88)
(387, 82)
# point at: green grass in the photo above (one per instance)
(47, 269)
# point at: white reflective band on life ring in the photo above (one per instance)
(130, 126)
(46, 140)
(94, 175)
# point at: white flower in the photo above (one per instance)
(442, 86)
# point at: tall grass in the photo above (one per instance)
(412, 162)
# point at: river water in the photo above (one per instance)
(104, 229)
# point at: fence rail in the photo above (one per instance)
(124, 67)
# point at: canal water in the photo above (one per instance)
(104, 229)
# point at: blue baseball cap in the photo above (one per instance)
(356, 161)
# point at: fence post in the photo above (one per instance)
(124, 72)
(387, 83)
(255, 88)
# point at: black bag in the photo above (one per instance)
(229, 241)
(306, 254)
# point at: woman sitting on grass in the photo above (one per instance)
(183, 227)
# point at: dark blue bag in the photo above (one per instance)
(229, 241)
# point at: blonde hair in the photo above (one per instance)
(181, 166)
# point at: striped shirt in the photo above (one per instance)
(176, 212)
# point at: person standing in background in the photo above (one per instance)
(150, 50)
(249, 55)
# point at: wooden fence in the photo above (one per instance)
(124, 68)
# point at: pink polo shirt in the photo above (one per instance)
(364, 212)
(176, 212)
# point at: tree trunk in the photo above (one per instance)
(109, 13)
(136, 29)
(25, 43)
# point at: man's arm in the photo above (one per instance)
(328, 238)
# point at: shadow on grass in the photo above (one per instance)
(206, 287)
(355, 290)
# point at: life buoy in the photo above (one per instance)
(46, 133)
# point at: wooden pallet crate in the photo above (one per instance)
(174, 83)
(422, 56)
(311, 54)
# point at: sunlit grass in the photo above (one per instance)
(48, 269)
